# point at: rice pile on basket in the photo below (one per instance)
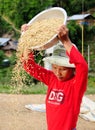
(38, 34)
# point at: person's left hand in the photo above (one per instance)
(24, 27)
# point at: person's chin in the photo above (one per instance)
(60, 78)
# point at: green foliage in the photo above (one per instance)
(20, 11)
(89, 32)
(39, 56)
(75, 33)
(33, 89)
(5, 88)
(4, 27)
(5, 76)
(74, 6)
(39, 88)
(79, 6)
(2, 56)
(92, 56)
(91, 85)
(13, 58)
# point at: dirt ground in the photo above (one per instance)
(14, 115)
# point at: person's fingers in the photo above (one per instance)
(24, 27)
(63, 30)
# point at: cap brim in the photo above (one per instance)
(61, 61)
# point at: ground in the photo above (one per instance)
(14, 115)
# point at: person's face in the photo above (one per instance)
(62, 73)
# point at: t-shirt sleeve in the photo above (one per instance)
(81, 69)
(37, 71)
(80, 81)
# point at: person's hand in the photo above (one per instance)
(63, 34)
(64, 38)
(24, 27)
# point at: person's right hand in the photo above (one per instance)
(24, 27)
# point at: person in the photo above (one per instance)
(66, 82)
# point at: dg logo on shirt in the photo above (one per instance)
(56, 97)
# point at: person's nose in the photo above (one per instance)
(58, 72)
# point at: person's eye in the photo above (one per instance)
(64, 69)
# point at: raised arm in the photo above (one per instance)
(64, 38)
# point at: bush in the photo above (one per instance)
(75, 33)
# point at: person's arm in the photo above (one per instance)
(75, 57)
(31, 67)
(64, 38)
(35, 70)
